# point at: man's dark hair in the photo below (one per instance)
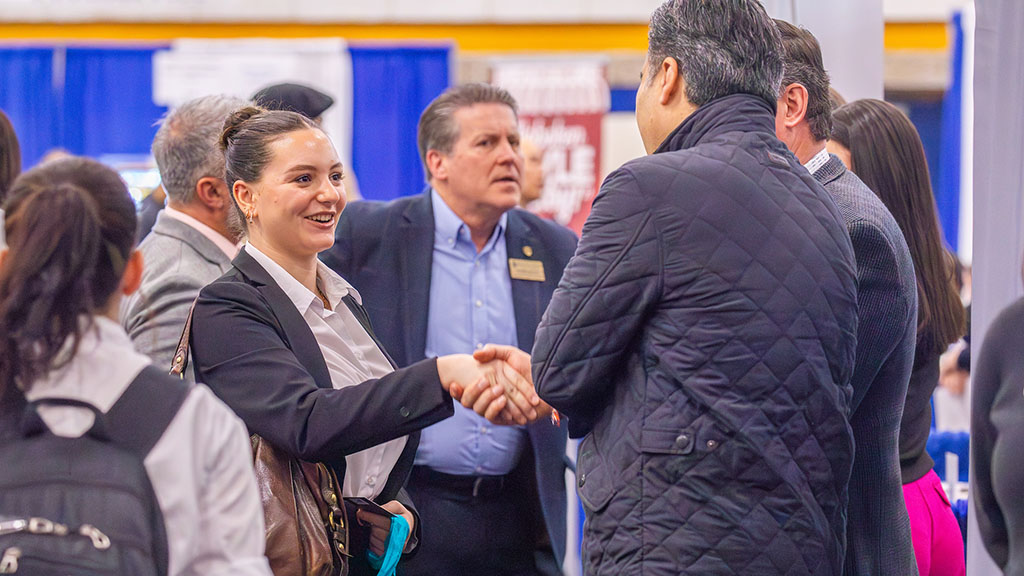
(723, 47)
(803, 65)
(437, 128)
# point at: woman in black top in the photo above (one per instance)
(880, 145)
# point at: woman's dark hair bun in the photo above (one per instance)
(236, 121)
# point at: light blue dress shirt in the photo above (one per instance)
(470, 305)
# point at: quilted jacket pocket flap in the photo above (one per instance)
(666, 441)
(593, 481)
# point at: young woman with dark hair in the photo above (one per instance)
(70, 259)
(285, 342)
(879, 143)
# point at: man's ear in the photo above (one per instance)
(669, 81)
(213, 193)
(793, 105)
(438, 165)
(132, 278)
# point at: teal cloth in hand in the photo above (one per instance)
(385, 565)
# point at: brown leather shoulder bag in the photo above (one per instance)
(305, 526)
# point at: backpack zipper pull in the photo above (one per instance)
(100, 541)
(9, 562)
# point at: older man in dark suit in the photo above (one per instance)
(449, 271)
(878, 528)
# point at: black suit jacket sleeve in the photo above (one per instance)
(240, 351)
(883, 305)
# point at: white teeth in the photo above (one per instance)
(324, 218)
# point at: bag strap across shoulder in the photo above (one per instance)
(180, 361)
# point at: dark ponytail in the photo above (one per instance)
(70, 230)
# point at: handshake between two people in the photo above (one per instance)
(496, 383)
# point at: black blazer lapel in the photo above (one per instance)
(296, 332)
(364, 320)
(527, 295)
(416, 235)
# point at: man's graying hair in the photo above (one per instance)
(437, 127)
(185, 146)
(803, 65)
(722, 47)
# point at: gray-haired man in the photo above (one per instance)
(192, 242)
(878, 538)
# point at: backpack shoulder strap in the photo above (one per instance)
(139, 417)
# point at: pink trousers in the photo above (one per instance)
(938, 544)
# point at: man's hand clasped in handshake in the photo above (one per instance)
(496, 383)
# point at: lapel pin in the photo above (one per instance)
(528, 250)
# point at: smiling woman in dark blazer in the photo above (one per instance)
(284, 341)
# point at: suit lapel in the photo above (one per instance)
(297, 334)
(527, 296)
(364, 320)
(416, 234)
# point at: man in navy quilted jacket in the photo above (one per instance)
(878, 539)
(702, 338)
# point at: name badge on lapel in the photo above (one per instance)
(521, 269)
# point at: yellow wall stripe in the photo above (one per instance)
(917, 36)
(469, 37)
(472, 37)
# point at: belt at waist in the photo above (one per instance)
(474, 486)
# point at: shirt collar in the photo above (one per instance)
(819, 160)
(334, 286)
(104, 343)
(450, 230)
(230, 250)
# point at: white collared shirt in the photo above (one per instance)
(352, 358)
(218, 239)
(200, 469)
(817, 161)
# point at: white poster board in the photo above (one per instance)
(193, 68)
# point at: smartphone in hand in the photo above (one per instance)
(367, 505)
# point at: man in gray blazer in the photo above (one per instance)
(878, 528)
(193, 240)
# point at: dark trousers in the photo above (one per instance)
(469, 527)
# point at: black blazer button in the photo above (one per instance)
(404, 412)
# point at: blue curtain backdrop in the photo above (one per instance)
(108, 101)
(391, 87)
(30, 99)
(97, 101)
(947, 195)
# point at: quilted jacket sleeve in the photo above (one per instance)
(884, 304)
(599, 309)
